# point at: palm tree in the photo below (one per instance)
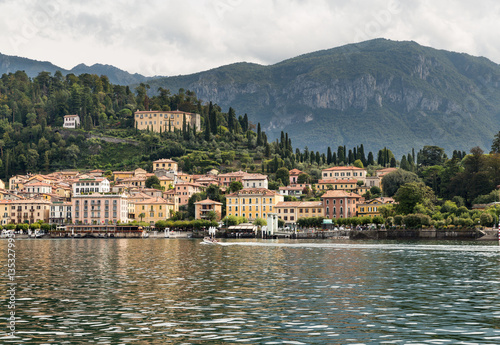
(142, 215)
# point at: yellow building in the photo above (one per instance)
(344, 173)
(24, 211)
(370, 208)
(166, 121)
(336, 184)
(291, 211)
(153, 210)
(252, 203)
(166, 182)
(165, 164)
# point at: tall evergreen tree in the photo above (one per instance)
(259, 136)
(329, 156)
(370, 160)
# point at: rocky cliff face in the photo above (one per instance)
(399, 92)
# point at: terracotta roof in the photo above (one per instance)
(231, 174)
(343, 168)
(340, 194)
(291, 188)
(294, 172)
(299, 204)
(156, 200)
(165, 112)
(254, 191)
(165, 160)
(254, 177)
(207, 202)
(337, 181)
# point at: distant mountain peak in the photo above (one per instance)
(11, 64)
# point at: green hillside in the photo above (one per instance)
(378, 92)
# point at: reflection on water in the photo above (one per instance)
(157, 291)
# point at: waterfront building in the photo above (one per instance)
(340, 204)
(25, 211)
(165, 121)
(370, 208)
(99, 208)
(60, 213)
(135, 196)
(252, 203)
(344, 173)
(152, 210)
(203, 207)
(291, 211)
(71, 121)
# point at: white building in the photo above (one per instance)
(60, 213)
(254, 181)
(90, 185)
(38, 188)
(71, 121)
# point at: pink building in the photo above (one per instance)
(99, 208)
(340, 204)
(294, 175)
(183, 191)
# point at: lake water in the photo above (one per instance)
(179, 291)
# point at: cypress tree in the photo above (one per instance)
(329, 156)
(334, 158)
(370, 160)
(259, 135)
(340, 155)
(245, 123)
(207, 130)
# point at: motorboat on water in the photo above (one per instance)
(209, 240)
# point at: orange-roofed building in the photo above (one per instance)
(291, 211)
(344, 173)
(203, 207)
(340, 204)
(294, 175)
(252, 203)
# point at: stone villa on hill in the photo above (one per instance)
(166, 121)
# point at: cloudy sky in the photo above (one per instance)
(164, 37)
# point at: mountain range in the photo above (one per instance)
(11, 64)
(379, 93)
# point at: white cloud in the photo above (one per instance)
(178, 37)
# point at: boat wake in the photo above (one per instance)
(428, 247)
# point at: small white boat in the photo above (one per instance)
(209, 240)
